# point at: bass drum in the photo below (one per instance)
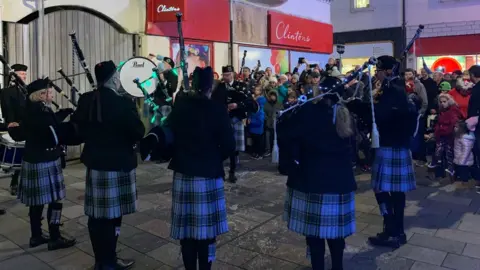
(141, 68)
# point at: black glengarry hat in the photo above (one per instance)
(169, 61)
(228, 68)
(104, 71)
(19, 67)
(385, 62)
(37, 85)
(202, 79)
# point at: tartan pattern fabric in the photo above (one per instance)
(41, 183)
(198, 207)
(239, 133)
(327, 216)
(392, 170)
(110, 194)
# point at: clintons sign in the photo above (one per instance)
(289, 31)
(165, 10)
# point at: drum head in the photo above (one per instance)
(141, 68)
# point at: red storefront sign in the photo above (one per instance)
(449, 45)
(289, 31)
(207, 20)
(165, 10)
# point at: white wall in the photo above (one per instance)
(434, 11)
(156, 45)
(222, 55)
(382, 14)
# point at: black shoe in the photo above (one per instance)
(267, 154)
(13, 190)
(124, 264)
(383, 240)
(232, 178)
(38, 241)
(402, 238)
(61, 243)
(3, 212)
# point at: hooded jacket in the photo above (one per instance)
(270, 109)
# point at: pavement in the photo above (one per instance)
(442, 222)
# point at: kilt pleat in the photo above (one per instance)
(392, 170)
(110, 194)
(198, 207)
(327, 216)
(239, 134)
(41, 183)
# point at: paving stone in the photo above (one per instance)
(426, 266)
(136, 219)
(363, 207)
(73, 211)
(269, 263)
(144, 242)
(437, 243)
(458, 262)
(234, 255)
(254, 215)
(421, 254)
(8, 249)
(79, 185)
(460, 236)
(43, 254)
(86, 246)
(24, 262)
(168, 254)
(439, 197)
(470, 223)
(76, 261)
(472, 251)
(292, 253)
(156, 227)
(142, 261)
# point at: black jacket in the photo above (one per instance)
(319, 160)
(109, 144)
(432, 92)
(202, 136)
(43, 132)
(13, 103)
(239, 94)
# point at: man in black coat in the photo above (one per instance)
(13, 100)
(110, 127)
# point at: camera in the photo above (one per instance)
(301, 60)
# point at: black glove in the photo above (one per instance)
(67, 111)
(147, 145)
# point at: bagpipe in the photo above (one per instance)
(336, 90)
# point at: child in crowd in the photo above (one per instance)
(464, 141)
(291, 100)
(271, 108)
(444, 134)
(256, 124)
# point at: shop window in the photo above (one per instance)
(361, 5)
(197, 54)
(275, 59)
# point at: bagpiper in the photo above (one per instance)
(110, 127)
(235, 96)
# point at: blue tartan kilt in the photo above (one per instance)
(41, 183)
(239, 134)
(110, 194)
(392, 170)
(198, 207)
(326, 216)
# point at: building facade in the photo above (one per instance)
(105, 30)
(274, 34)
(451, 37)
(367, 28)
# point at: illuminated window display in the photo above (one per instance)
(449, 63)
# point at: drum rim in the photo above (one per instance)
(120, 72)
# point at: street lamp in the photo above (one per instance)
(340, 51)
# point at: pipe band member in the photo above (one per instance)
(235, 96)
(13, 102)
(201, 142)
(320, 197)
(110, 126)
(41, 177)
(392, 172)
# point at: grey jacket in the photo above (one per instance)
(422, 93)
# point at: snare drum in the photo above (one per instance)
(11, 152)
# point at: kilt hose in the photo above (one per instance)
(392, 170)
(323, 216)
(41, 183)
(198, 209)
(239, 133)
(110, 194)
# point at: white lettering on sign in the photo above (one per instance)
(164, 8)
(282, 31)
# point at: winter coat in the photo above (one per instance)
(463, 146)
(257, 120)
(447, 120)
(270, 109)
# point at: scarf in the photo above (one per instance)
(410, 87)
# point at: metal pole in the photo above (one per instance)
(41, 17)
(231, 34)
